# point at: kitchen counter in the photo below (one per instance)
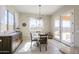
(9, 34)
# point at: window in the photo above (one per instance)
(10, 22)
(36, 24)
(33, 23)
(7, 22)
(4, 22)
(57, 21)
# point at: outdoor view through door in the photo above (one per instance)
(66, 28)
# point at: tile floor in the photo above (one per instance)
(53, 48)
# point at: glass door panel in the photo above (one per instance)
(57, 28)
(66, 28)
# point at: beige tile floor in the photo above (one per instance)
(53, 48)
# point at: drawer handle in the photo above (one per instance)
(0, 40)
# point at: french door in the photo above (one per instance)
(67, 28)
(64, 28)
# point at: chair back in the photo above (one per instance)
(33, 36)
(43, 38)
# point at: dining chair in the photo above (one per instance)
(43, 41)
(33, 38)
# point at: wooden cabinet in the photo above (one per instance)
(6, 44)
(0, 45)
(9, 43)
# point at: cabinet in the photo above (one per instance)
(0, 45)
(9, 43)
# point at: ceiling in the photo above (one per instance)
(34, 9)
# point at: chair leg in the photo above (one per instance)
(31, 45)
(37, 44)
(40, 47)
(46, 47)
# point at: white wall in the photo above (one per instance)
(25, 30)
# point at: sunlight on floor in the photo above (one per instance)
(26, 47)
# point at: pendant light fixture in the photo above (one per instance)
(39, 12)
(38, 19)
